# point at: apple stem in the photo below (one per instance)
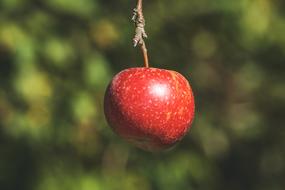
(140, 33)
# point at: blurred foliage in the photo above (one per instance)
(57, 57)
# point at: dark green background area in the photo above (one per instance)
(57, 57)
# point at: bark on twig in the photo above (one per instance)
(140, 33)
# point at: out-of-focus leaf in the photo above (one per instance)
(96, 71)
(12, 4)
(83, 8)
(59, 52)
(84, 109)
(204, 45)
(105, 34)
(32, 84)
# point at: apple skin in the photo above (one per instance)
(149, 107)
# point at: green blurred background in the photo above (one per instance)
(57, 56)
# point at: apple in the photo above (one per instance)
(149, 107)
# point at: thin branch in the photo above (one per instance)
(140, 33)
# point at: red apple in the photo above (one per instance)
(149, 107)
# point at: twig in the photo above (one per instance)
(140, 33)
